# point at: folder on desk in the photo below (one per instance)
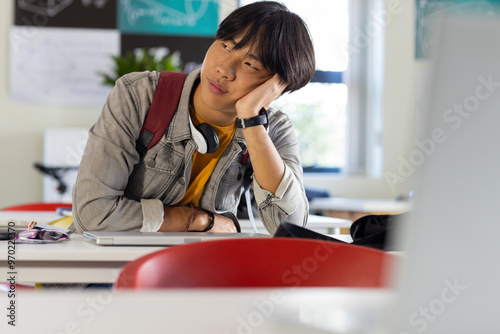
(160, 238)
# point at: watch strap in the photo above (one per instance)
(260, 119)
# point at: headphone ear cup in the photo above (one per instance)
(210, 137)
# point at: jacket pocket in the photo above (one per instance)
(230, 188)
(155, 174)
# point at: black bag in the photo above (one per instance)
(369, 231)
(373, 230)
(288, 230)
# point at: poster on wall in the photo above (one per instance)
(66, 13)
(61, 66)
(62, 150)
(173, 17)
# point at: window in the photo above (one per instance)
(336, 116)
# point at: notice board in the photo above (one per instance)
(58, 47)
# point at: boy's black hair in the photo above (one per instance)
(284, 44)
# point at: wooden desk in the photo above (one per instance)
(353, 208)
(290, 311)
(321, 224)
(72, 261)
(79, 261)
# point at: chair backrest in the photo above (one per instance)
(38, 206)
(255, 262)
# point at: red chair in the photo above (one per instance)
(38, 206)
(258, 262)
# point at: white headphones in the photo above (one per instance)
(205, 137)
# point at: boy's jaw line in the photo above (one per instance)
(206, 112)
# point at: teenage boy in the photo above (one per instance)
(261, 51)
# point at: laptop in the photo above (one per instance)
(450, 273)
(160, 238)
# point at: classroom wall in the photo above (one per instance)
(22, 125)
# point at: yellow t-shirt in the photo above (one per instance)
(203, 164)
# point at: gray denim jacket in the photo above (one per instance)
(117, 190)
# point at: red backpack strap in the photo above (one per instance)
(162, 109)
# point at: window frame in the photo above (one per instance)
(364, 80)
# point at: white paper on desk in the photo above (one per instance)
(60, 66)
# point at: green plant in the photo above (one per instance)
(155, 59)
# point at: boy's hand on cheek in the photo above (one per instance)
(262, 96)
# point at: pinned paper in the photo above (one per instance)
(61, 66)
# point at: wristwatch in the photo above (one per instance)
(260, 119)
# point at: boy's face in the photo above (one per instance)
(228, 74)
